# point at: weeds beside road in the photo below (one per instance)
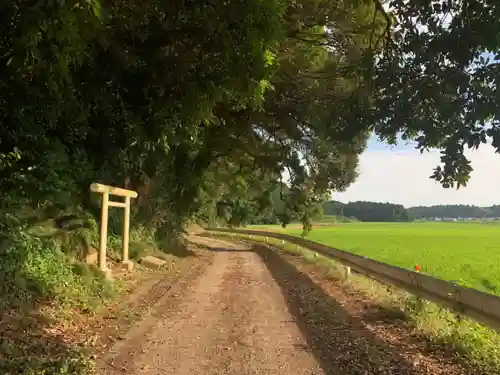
(57, 315)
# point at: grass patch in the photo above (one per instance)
(441, 327)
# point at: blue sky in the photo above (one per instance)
(400, 174)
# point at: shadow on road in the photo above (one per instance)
(339, 341)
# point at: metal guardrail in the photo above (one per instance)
(482, 307)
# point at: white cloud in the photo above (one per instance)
(403, 177)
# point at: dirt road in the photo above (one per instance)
(251, 312)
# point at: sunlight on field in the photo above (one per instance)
(467, 253)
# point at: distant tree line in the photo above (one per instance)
(367, 211)
(375, 211)
(454, 211)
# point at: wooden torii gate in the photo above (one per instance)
(106, 191)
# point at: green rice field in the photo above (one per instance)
(466, 253)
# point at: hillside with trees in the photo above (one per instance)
(201, 107)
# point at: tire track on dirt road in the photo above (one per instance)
(251, 312)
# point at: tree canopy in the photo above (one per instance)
(211, 103)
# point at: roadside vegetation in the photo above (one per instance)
(50, 295)
(439, 327)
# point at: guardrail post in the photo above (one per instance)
(419, 302)
(458, 303)
(347, 272)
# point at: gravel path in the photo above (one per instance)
(251, 312)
